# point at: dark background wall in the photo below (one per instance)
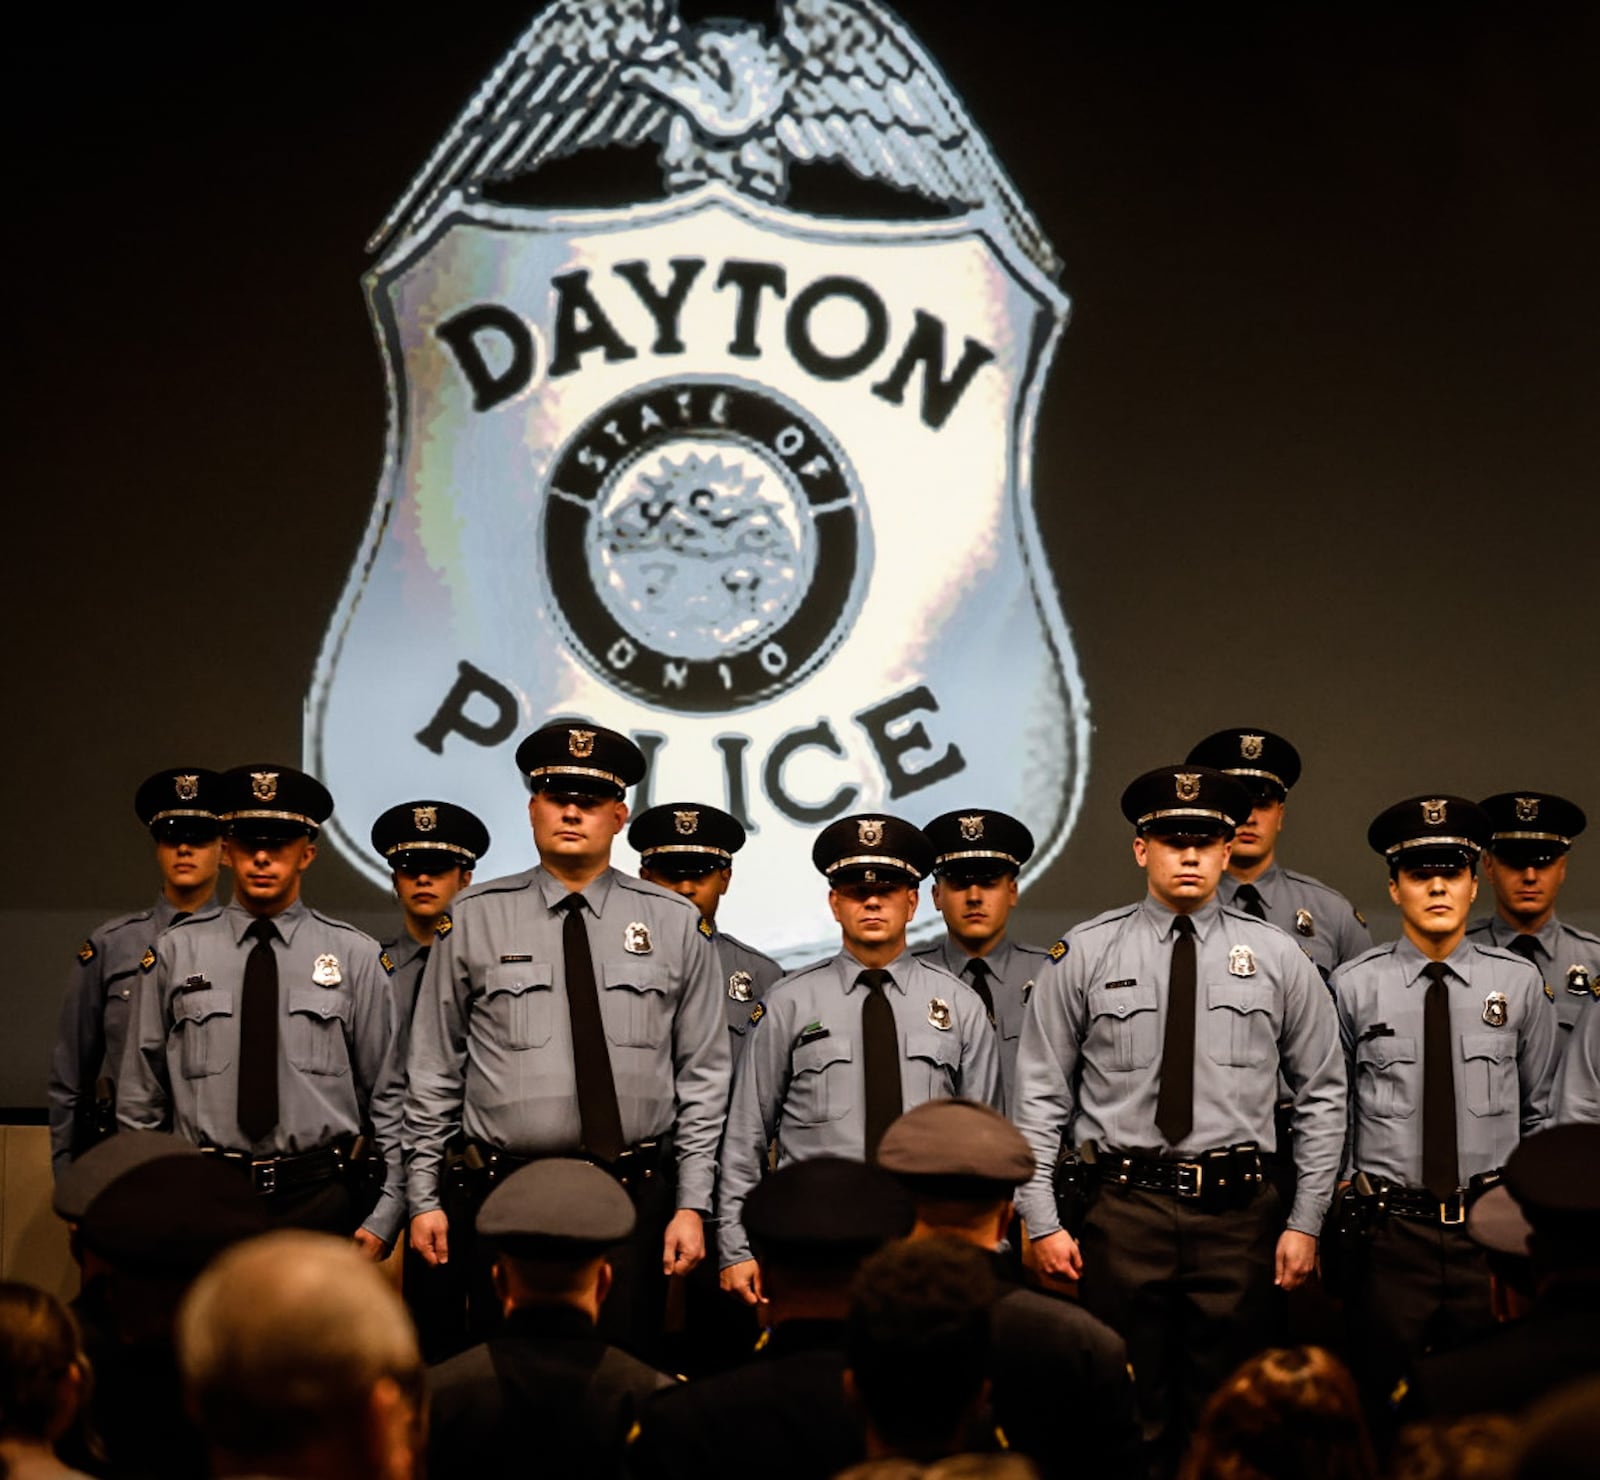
(1318, 452)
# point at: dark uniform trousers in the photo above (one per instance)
(1189, 1290)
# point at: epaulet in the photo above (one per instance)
(800, 971)
(148, 960)
(1105, 917)
(386, 963)
(86, 953)
(443, 926)
(920, 951)
(1587, 936)
(1480, 927)
(336, 923)
(505, 884)
(122, 922)
(1311, 879)
(707, 929)
(1385, 948)
(1233, 913)
(655, 891)
(1031, 950)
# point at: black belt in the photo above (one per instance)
(633, 1165)
(270, 1174)
(1421, 1206)
(1227, 1177)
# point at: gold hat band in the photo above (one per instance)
(1263, 775)
(421, 846)
(539, 771)
(179, 812)
(1530, 837)
(1187, 812)
(864, 859)
(1470, 843)
(687, 848)
(251, 812)
(978, 853)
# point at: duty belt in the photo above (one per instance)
(270, 1174)
(1420, 1205)
(1227, 1177)
(633, 1165)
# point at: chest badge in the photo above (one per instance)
(1304, 924)
(325, 971)
(1241, 961)
(739, 985)
(636, 939)
(1579, 982)
(939, 1014)
(1494, 1009)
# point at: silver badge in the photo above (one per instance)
(264, 785)
(636, 939)
(939, 1014)
(869, 831)
(1250, 746)
(580, 743)
(972, 828)
(425, 818)
(1494, 1009)
(1433, 812)
(1242, 961)
(686, 823)
(1304, 924)
(325, 971)
(1578, 981)
(1188, 785)
(739, 984)
(187, 787)
(1527, 809)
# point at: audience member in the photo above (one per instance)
(1560, 1439)
(44, 1376)
(1479, 1447)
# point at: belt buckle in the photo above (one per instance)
(265, 1176)
(1189, 1179)
(1460, 1204)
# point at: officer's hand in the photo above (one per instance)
(1297, 1257)
(371, 1245)
(430, 1236)
(1056, 1256)
(744, 1280)
(685, 1243)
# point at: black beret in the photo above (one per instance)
(1555, 1174)
(1436, 831)
(180, 804)
(172, 1215)
(957, 1148)
(267, 799)
(1266, 764)
(827, 1207)
(685, 839)
(974, 844)
(580, 760)
(558, 1204)
(86, 1178)
(872, 849)
(1179, 800)
(429, 834)
(1531, 827)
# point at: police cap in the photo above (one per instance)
(171, 1215)
(1442, 832)
(180, 805)
(1531, 828)
(86, 1178)
(580, 759)
(1180, 801)
(558, 1206)
(977, 845)
(826, 1209)
(956, 1149)
(271, 801)
(871, 848)
(1496, 1223)
(684, 840)
(1555, 1176)
(429, 837)
(1266, 765)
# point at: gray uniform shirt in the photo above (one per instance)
(1323, 922)
(491, 1037)
(403, 958)
(1089, 1065)
(339, 1068)
(1503, 1029)
(1576, 1095)
(1560, 949)
(746, 975)
(802, 1079)
(1015, 967)
(93, 1027)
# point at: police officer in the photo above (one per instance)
(430, 849)
(1329, 928)
(976, 858)
(1576, 1094)
(179, 808)
(266, 1032)
(571, 1010)
(1451, 1046)
(688, 847)
(842, 1047)
(1153, 1045)
(1526, 865)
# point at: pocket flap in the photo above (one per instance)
(196, 1007)
(1119, 1002)
(1495, 1046)
(1381, 1052)
(929, 1043)
(517, 976)
(1239, 993)
(319, 1002)
(645, 976)
(809, 1057)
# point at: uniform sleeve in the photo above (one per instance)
(1538, 1051)
(1576, 1093)
(1047, 1068)
(436, 1066)
(759, 1085)
(144, 1091)
(378, 1051)
(1311, 1055)
(80, 1045)
(701, 1067)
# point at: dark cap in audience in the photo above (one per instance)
(557, 1206)
(85, 1179)
(826, 1209)
(171, 1216)
(956, 1149)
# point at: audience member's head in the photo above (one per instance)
(300, 1361)
(1555, 1178)
(961, 1161)
(1001, 1466)
(1477, 1447)
(1560, 1436)
(43, 1372)
(1497, 1225)
(918, 1346)
(551, 1226)
(1290, 1413)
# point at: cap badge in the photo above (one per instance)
(1188, 784)
(580, 743)
(939, 1014)
(636, 939)
(325, 971)
(972, 828)
(1578, 981)
(1494, 1009)
(739, 985)
(264, 786)
(1433, 812)
(686, 822)
(1241, 961)
(869, 832)
(1250, 746)
(425, 818)
(1527, 809)
(1304, 924)
(187, 787)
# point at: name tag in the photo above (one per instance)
(512, 960)
(1131, 981)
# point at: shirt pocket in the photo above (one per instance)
(1386, 1077)
(519, 1003)
(821, 1082)
(636, 1009)
(1239, 1024)
(318, 1018)
(201, 1021)
(1122, 1026)
(932, 1065)
(1489, 1072)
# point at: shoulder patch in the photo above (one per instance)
(147, 960)
(706, 928)
(443, 926)
(1550, 991)
(1361, 919)
(758, 1013)
(385, 962)
(1059, 949)
(86, 952)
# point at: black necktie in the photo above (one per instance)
(1441, 1174)
(880, 1059)
(422, 955)
(978, 969)
(1175, 1100)
(1527, 947)
(258, 1035)
(1248, 899)
(178, 917)
(598, 1115)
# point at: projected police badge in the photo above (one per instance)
(738, 463)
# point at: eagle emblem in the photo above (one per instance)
(1187, 784)
(1433, 811)
(686, 823)
(869, 832)
(972, 828)
(264, 786)
(1527, 809)
(187, 787)
(425, 818)
(1250, 746)
(580, 744)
